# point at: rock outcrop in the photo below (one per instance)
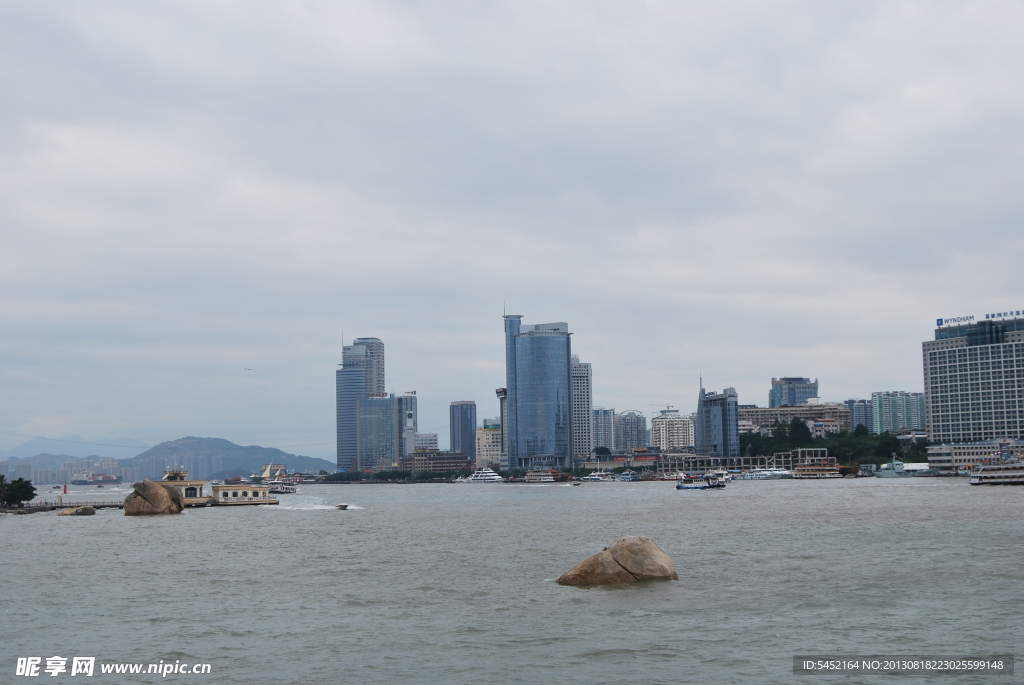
(77, 511)
(629, 560)
(152, 498)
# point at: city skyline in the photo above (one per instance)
(158, 247)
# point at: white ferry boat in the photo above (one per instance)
(629, 476)
(599, 477)
(770, 473)
(899, 469)
(280, 488)
(999, 474)
(539, 476)
(484, 475)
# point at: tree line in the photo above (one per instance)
(856, 446)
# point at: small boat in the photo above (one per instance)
(341, 506)
(576, 482)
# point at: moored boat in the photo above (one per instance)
(483, 475)
(999, 474)
(897, 468)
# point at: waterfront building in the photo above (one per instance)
(791, 391)
(462, 428)
(973, 380)
(426, 441)
(892, 411)
(671, 432)
(716, 432)
(860, 414)
(240, 494)
(435, 461)
(949, 458)
(361, 376)
(539, 395)
(488, 443)
(630, 430)
(191, 490)
(604, 428)
(766, 417)
(582, 409)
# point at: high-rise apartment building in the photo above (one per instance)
(361, 375)
(539, 393)
(604, 428)
(791, 391)
(582, 409)
(974, 378)
(670, 431)
(716, 432)
(630, 430)
(462, 428)
(895, 410)
(488, 443)
(860, 414)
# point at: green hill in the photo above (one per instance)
(216, 457)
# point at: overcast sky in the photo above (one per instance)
(743, 190)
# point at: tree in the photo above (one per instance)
(799, 433)
(861, 430)
(602, 451)
(17, 491)
(888, 444)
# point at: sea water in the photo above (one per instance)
(455, 583)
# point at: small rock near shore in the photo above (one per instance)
(77, 511)
(153, 499)
(628, 560)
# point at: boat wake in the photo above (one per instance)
(299, 507)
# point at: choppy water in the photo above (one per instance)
(454, 583)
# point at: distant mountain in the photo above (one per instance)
(75, 447)
(228, 457)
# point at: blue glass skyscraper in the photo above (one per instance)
(539, 393)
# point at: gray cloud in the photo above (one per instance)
(742, 189)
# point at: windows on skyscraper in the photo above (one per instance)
(539, 393)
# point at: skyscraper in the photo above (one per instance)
(716, 432)
(670, 431)
(375, 430)
(891, 411)
(973, 378)
(502, 394)
(791, 391)
(582, 409)
(860, 414)
(361, 375)
(539, 393)
(462, 427)
(630, 430)
(406, 413)
(604, 428)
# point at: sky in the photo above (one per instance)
(735, 190)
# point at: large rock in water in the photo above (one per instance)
(628, 560)
(152, 498)
(77, 511)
